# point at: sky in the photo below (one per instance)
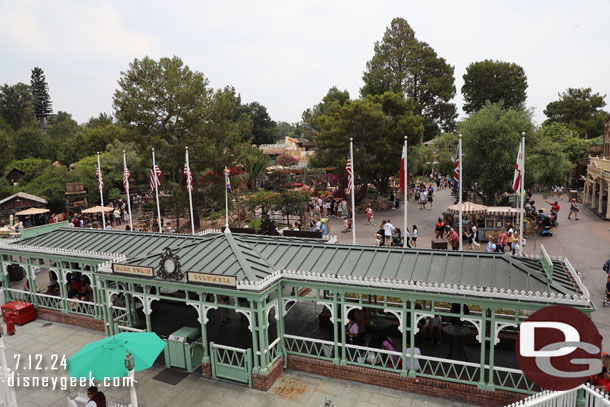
(285, 54)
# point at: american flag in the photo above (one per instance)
(189, 177)
(126, 176)
(228, 182)
(155, 177)
(348, 169)
(98, 174)
(456, 171)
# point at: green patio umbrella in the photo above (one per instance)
(106, 357)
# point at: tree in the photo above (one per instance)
(494, 81)
(264, 130)
(40, 93)
(28, 140)
(167, 106)
(490, 143)
(254, 162)
(403, 64)
(6, 150)
(14, 103)
(378, 125)
(580, 110)
(311, 124)
(264, 199)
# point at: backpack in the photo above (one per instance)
(607, 266)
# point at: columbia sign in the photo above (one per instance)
(558, 348)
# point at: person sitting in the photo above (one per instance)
(85, 294)
(53, 289)
(96, 398)
(388, 344)
(72, 292)
(417, 352)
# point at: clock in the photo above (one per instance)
(169, 266)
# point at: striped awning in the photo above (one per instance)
(468, 208)
(502, 211)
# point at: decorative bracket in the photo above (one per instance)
(277, 316)
(476, 323)
(109, 296)
(286, 302)
(419, 316)
(346, 310)
(197, 308)
(206, 308)
(331, 308)
(499, 326)
(397, 314)
(248, 315)
(147, 303)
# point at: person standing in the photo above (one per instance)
(392, 198)
(369, 214)
(414, 236)
(501, 241)
(453, 239)
(423, 195)
(381, 233)
(439, 229)
(96, 398)
(430, 196)
(388, 228)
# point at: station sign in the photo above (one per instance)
(130, 270)
(215, 279)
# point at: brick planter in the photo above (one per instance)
(264, 382)
(71, 319)
(206, 369)
(459, 392)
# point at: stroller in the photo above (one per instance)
(396, 238)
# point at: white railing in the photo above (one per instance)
(275, 351)
(592, 398)
(316, 348)
(207, 231)
(20, 295)
(123, 328)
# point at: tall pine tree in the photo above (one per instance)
(40, 92)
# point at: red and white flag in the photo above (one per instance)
(403, 174)
(189, 177)
(350, 174)
(518, 169)
(126, 176)
(100, 183)
(155, 177)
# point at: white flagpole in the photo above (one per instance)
(188, 187)
(99, 169)
(226, 201)
(460, 192)
(406, 184)
(127, 190)
(522, 182)
(157, 191)
(351, 152)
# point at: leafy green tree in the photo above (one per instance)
(14, 103)
(494, 81)
(50, 185)
(28, 140)
(378, 125)
(40, 93)
(64, 141)
(6, 150)
(291, 203)
(580, 110)
(254, 162)
(546, 161)
(491, 138)
(406, 65)
(264, 130)
(311, 124)
(263, 199)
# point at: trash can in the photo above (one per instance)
(184, 350)
(439, 244)
(573, 194)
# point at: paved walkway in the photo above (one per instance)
(293, 389)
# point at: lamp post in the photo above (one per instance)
(7, 393)
(129, 365)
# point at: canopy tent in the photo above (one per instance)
(468, 208)
(502, 211)
(98, 209)
(32, 211)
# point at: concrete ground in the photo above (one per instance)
(50, 341)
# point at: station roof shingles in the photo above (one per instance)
(254, 257)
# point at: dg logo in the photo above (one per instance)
(558, 348)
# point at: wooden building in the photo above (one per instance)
(18, 202)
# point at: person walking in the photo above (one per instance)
(388, 228)
(573, 209)
(454, 239)
(369, 214)
(423, 198)
(381, 233)
(430, 195)
(501, 241)
(414, 236)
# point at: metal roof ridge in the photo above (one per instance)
(574, 299)
(245, 266)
